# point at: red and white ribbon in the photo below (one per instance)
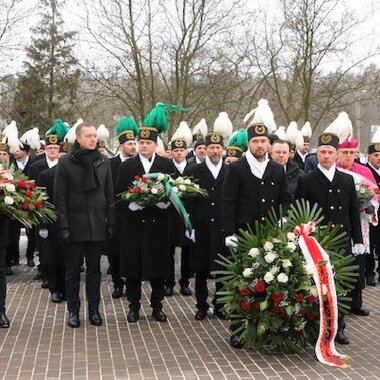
(317, 258)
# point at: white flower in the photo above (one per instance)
(161, 177)
(255, 265)
(283, 303)
(247, 272)
(268, 246)
(187, 181)
(253, 252)
(175, 189)
(196, 185)
(154, 190)
(286, 263)
(282, 277)
(8, 200)
(180, 180)
(270, 257)
(314, 291)
(268, 277)
(292, 246)
(291, 236)
(297, 308)
(308, 269)
(10, 187)
(274, 270)
(182, 187)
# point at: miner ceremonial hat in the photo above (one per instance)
(237, 144)
(126, 129)
(328, 138)
(214, 138)
(56, 134)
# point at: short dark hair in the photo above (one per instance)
(83, 125)
(279, 141)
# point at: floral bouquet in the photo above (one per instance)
(156, 187)
(22, 200)
(276, 295)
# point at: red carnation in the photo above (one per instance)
(311, 317)
(245, 292)
(29, 194)
(145, 179)
(260, 286)
(277, 297)
(25, 205)
(31, 185)
(312, 299)
(136, 177)
(276, 309)
(302, 313)
(37, 205)
(245, 306)
(299, 297)
(257, 305)
(22, 184)
(130, 190)
(138, 189)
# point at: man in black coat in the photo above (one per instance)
(334, 191)
(144, 230)
(374, 231)
(301, 154)
(83, 195)
(4, 321)
(205, 217)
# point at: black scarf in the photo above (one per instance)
(87, 158)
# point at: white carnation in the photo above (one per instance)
(161, 177)
(268, 277)
(292, 246)
(253, 252)
(182, 187)
(270, 257)
(187, 181)
(10, 187)
(180, 180)
(274, 270)
(291, 236)
(286, 263)
(268, 246)
(175, 189)
(154, 190)
(308, 269)
(282, 277)
(8, 200)
(314, 291)
(247, 272)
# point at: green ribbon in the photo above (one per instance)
(174, 199)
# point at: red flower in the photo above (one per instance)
(245, 292)
(311, 317)
(311, 299)
(299, 297)
(138, 189)
(284, 315)
(31, 185)
(257, 305)
(276, 309)
(257, 319)
(245, 306)
(145, 179)
(130, 190)
(302, 313)
(136, 177)
(260, 286)
(29, 194)
(22, 184)
(25, 205)
(277, 297)
(37, 205)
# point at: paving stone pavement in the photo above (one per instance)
(39, 345)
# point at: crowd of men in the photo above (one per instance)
(244, 182)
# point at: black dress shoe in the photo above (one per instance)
(133, 316)
(220, 314)
(15, 261)
(8, 271)
(30, 263)
(45, 284)
(159, 316)
(360, 311)
(56, 297)
(234, 341)
(95, 318)
(4, 321)
(37, 276)
(73, 320)
(371, 281)
(185, 291)
(117, 293)
(168, 292)
(341, 338)
(200, 314)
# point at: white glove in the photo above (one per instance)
(163, 205)
(231, 241)
(43, 232)
(190, 236)
(133, 206)
(358, 249)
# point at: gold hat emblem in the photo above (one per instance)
(53, 139)
(3, 146)
(377, 147)
(101, 144)
(326, 139)
(260, 129)
(66, 146)
(130, 135)
(144, 133)
(215, 138)
(178, 143)
(232, 152)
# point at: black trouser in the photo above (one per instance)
(114, 261)
(201, 291)
(3, 279)
(13, 249)
(74, 259)
(374, 248)
(56, 279)
(185, 267)
(134, 293)
(31, 235)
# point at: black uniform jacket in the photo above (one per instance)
(145, 243)
(85, 214)
(247, 198)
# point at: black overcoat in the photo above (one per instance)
(205, 216)
(145, 241)
(247, 198)
(4, 240)
(85, 214)
(292, 174)
(36, 168)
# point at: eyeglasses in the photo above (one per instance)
(52, 148)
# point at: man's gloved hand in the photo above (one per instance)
(64, 235)
(109, 233)
(190, 236)
(231, 241)
(163, 205)
(133, 206)
(370, 209)
(44, 233)
(358, 249)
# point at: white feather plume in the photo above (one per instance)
(201, 127)
(306, 130)
(70, 135)
(10, 137)
(31, 138)
(292, 132)
(10, 128)
(223, 125)
(79, 121)
(160, 144)
(248, 115)
(280, 132)
(299, 140)
(376, 136)
(102, 133)
(341, 126)
(267, 115)
(183, 132)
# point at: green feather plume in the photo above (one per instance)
(59, 129)
(127, 124)
(239, 139)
